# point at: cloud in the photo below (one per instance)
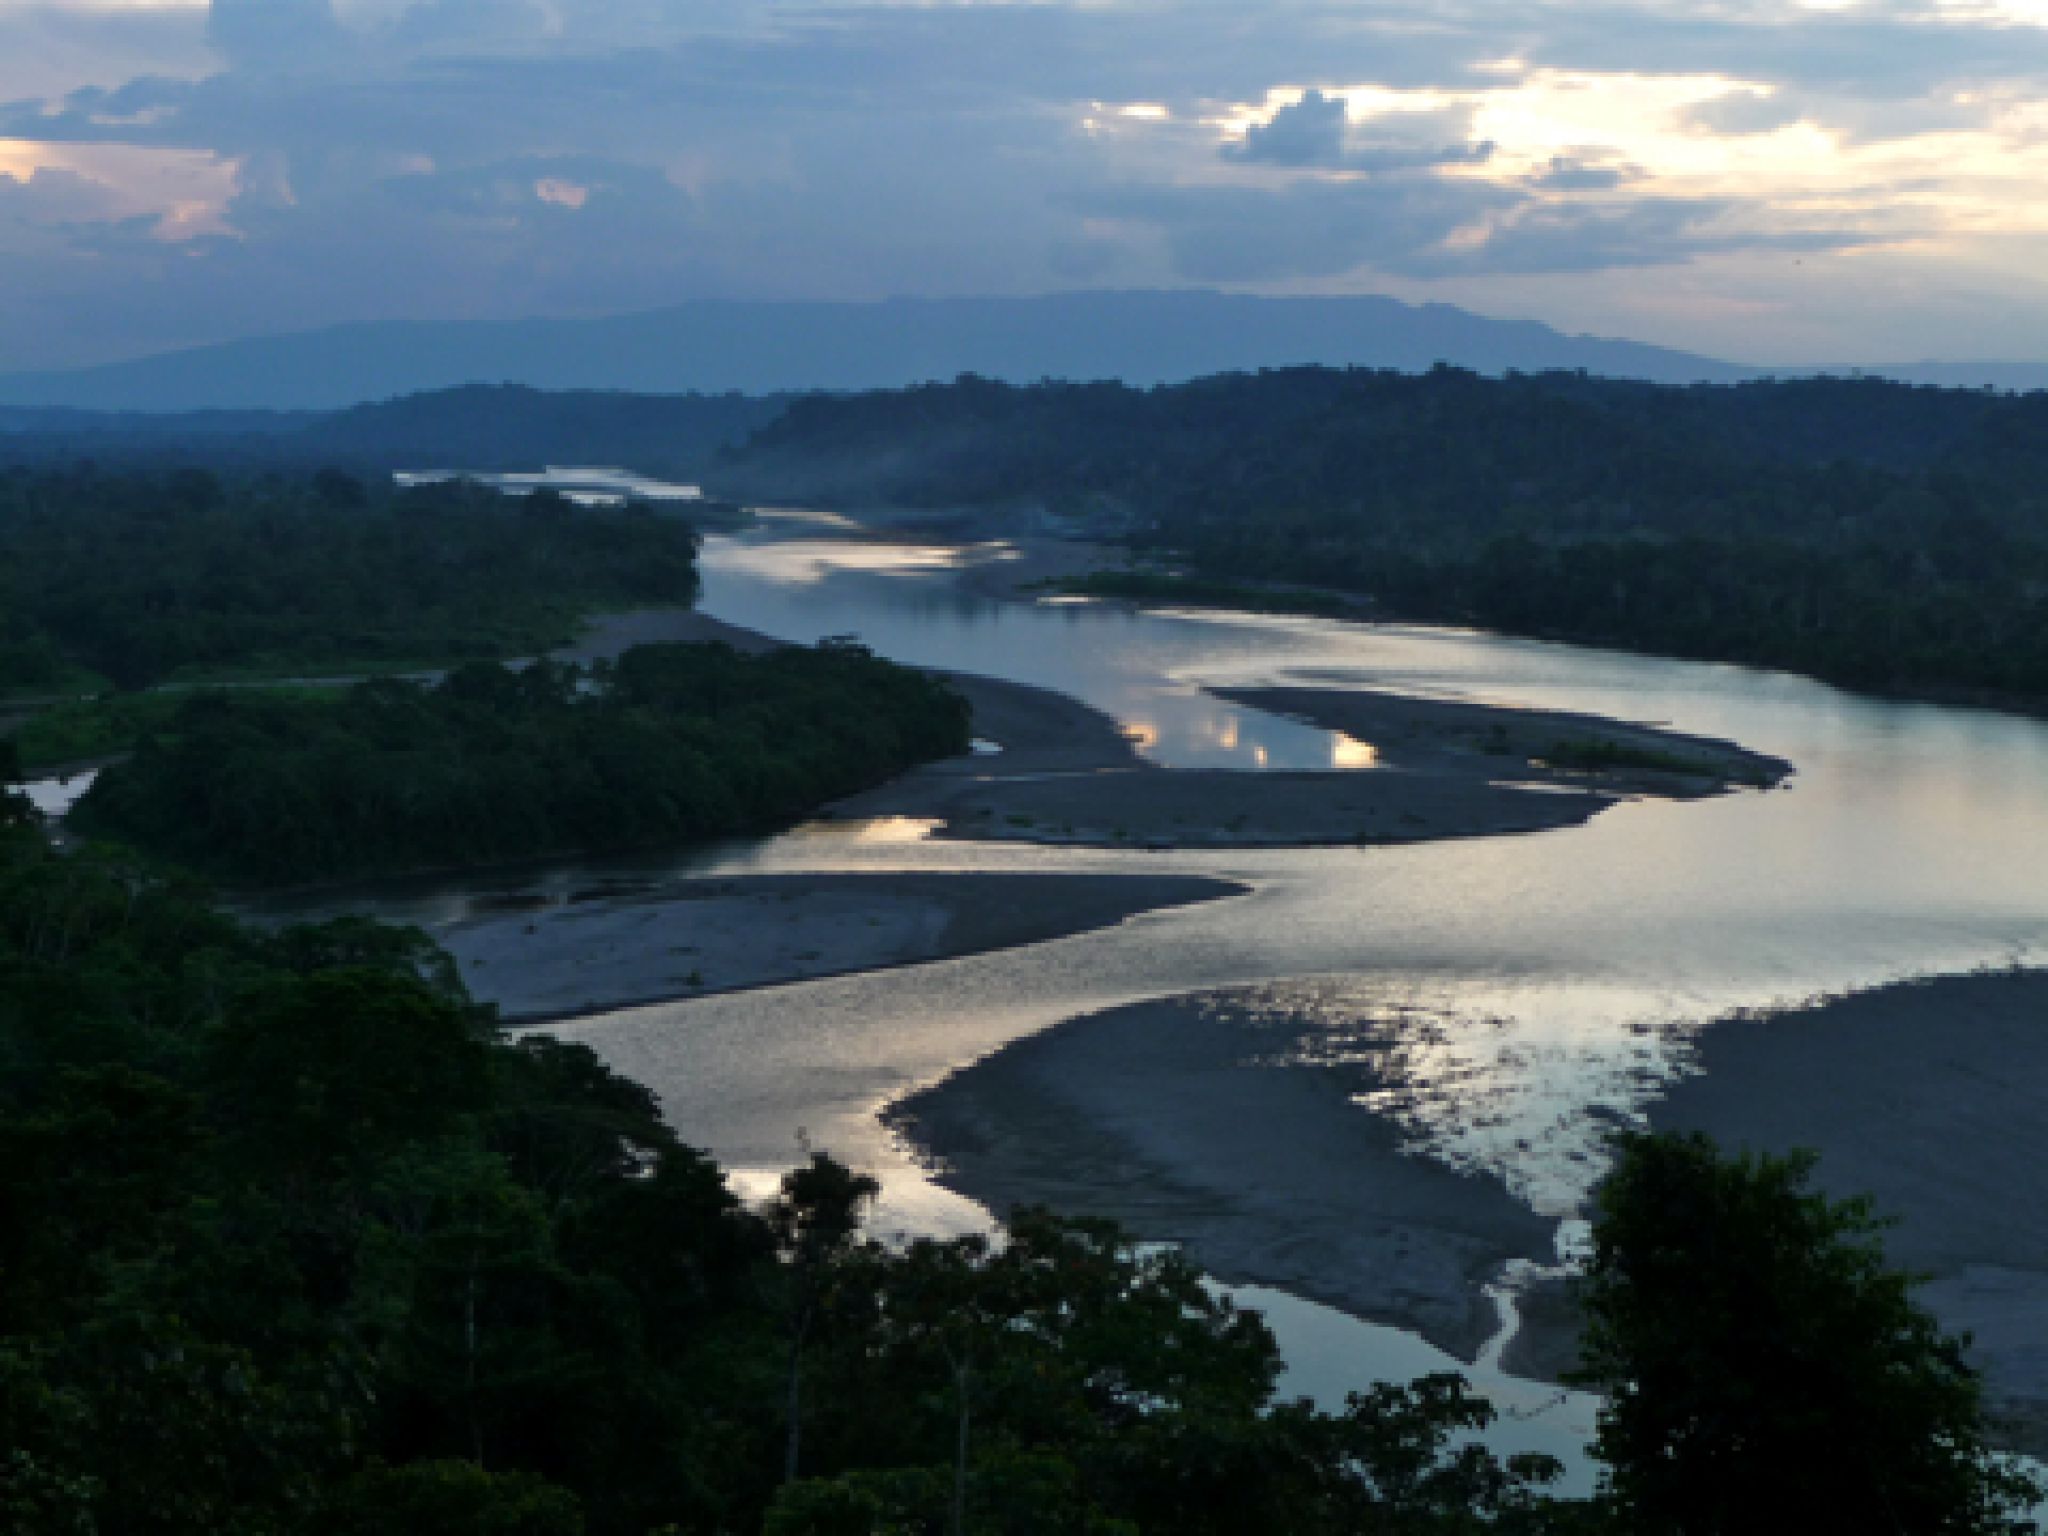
(1745, 112)
(360, 158)
(1318, 131)
(1306, 132)
(273, 34)
(1570, 173)
(1308, 229)
(53, 195)
(1574, 237)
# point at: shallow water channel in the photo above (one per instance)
(1548, 982)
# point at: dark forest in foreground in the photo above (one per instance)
(294, 1239)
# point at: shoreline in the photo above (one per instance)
(1443, 769)
(1168, 1116)
(1500, 743)
(1174, 1118)
(1182, 1120)
(549, 963)
(1928, 1096)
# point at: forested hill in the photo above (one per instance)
(477, 427)
(1875, 534)
(1454, 438)
(136, 577)
(507, 427)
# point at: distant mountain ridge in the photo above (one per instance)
(1140, 337)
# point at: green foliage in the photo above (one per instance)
(78, 730)
(673, 744)
(292, 1238)
(1764, 1369)
(142, 575)
(16, 809)
(1579, 754)
(451, 1498)
(106, 724)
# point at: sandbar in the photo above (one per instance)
(1184, 1121)
(693, 937)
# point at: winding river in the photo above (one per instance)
(1550, 982)
(1560, 973)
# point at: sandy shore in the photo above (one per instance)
(1931, 1097)
(1067, 775)
(695, 937)
(1447, 769)
(1175, 1119)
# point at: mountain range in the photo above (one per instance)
(1139, 337)
(763, 348)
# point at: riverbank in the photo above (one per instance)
(1930, 1097)
(691, 938)
(1458, 738)
(1182, 1120)
(1429, 769)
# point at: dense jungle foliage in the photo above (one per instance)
(294, 1239)
(136, 576)
(489, 765)
(1874, 534)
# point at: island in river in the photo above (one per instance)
(1425, 769)
(1062, 772)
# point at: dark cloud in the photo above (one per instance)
(1317, 132)
(1306, 132)
(1573, 173)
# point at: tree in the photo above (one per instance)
(16, 809)
(452, 1498)
(1765, 1370)
(815, 1218)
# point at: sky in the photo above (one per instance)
(1843, 182)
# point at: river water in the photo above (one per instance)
(1548, 980)
(1549, 983)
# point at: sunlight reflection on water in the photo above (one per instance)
(1506, 1000)
(1521, 992)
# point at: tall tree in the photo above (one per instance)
(1765, 1369)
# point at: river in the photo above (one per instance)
(1551, 982)
(1561, 972)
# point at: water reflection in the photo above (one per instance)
(1521, 991)
(1505, 999)
(902, 601)
(586, 485)
(54, 797)
(1348, 752)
